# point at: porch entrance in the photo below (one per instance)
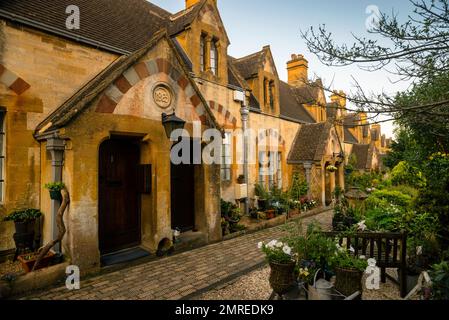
(119, 199)
(183, 195)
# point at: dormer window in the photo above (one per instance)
(214, 57)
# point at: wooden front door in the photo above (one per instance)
(119, 202)
(183, 196)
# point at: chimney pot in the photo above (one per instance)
(298, 68)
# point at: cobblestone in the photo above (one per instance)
(190, 272)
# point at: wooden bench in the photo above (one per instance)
(389, 250)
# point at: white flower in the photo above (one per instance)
(272, 244)
(419, 250)
(279, 244)
(362, 225)
(362, 257)
(260, 245)
(287, 250)
(352, 249)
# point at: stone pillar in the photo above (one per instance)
(332, 182)
(308, 168)
(323, 184)
(207, 65)
(56, 147)
(341, 176)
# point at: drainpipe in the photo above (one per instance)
(56, 147)
(244, 111)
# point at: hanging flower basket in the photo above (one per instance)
(332, 168)
(55, 190)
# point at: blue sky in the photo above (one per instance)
(251, 24)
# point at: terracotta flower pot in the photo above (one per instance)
(270, 214)
(282, 277)
(349, 281)
(28, 261)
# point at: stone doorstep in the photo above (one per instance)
(39, 279)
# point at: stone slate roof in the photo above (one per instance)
(351, 120)
(364, 155)
(236, 79)
(122, 26)
(179, 21)
(249, 66)
(291, 104)
(349, 137)
(310, 143)
(81, 100)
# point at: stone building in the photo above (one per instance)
(84, 106)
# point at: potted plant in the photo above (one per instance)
(270, 214)
(331, 168)
(24, 222)
(348, 270)
(55, 190)
(282, 263)
(263, 197)
(28, 260)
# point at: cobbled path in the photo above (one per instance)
(179, 276)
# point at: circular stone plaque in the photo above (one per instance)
(162, 96)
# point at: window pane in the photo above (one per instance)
(2, 121)
(213, 57)
(226, 158)
(202, 51)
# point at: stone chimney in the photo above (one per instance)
(298, 70)
(190, 3)
(339, 97)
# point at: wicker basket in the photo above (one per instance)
(348, 281)
(282, 277)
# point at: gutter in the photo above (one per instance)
(66, 34)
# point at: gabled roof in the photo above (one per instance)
(349, 137)
(364, 155)
(310, 143)
(351, 120)
(180, 20)
(236, 79)
(249, 66)
(291, 104)
(122, 26)
(82, 99)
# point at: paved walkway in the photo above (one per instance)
(178, 276)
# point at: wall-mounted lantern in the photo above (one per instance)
(171, 123)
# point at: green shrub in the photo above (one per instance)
(383, 219)
(299, 188)
(387, 196)
(26, 215)
(405, 174)
(55, 186)
(440, 281)
(408, 190)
